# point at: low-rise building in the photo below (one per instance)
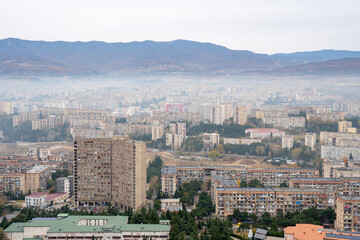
(42, 200)
(86, 227)
(171, 204)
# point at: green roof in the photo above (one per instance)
(70, 224)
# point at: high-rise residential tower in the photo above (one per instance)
(110, 170)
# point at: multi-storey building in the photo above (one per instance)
(110, 171)
(172, 177)
(329, 166)
(174, 140)
(342, 186)
(157, 132)
(344, 125)
(346, 172)
(48, 123)
(210, 140)
(65, 185)
(337, 153)
(243, 141)
(287, 142)
(178, 128)
(310, 140)
(286, 122)
(37, 178)
(6, 108)
(338, 138)
(90, 133)
(326, 116)
(169, 181)
(86, 227)
(274, 177)
(13, 183)
(260, 133)
(272, 200)
(240, 115)
(347, 213)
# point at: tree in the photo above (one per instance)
(243, 184)
(295, 153)
(255, 183)
(220, 148)
(213, 155)
(284, 185)
(204, 207)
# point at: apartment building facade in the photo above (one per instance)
(272, 200)
(37, 178)
(110, 171)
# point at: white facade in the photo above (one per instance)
(310, 140)
(36, 201)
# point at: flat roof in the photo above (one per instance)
(38, 169)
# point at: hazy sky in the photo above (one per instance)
(266, 26)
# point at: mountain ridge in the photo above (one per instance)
(97, 57)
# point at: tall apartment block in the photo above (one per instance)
(240, 115)
(110, 170)
(310, 140)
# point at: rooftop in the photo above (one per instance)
(38, 169)
(71, 224)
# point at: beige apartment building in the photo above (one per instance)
(286, 122)
(344, 125)
(342, 186)
(287, 142)
(174, 140)
(240, 115)
(111, 170)
(272, 200)
(274, 177)
(13, 183)
(347, 213)
(157, 132)
(37, 178)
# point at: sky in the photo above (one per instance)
(267, 26)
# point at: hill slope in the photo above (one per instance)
(66, 58)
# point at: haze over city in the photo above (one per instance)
(197, 120)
